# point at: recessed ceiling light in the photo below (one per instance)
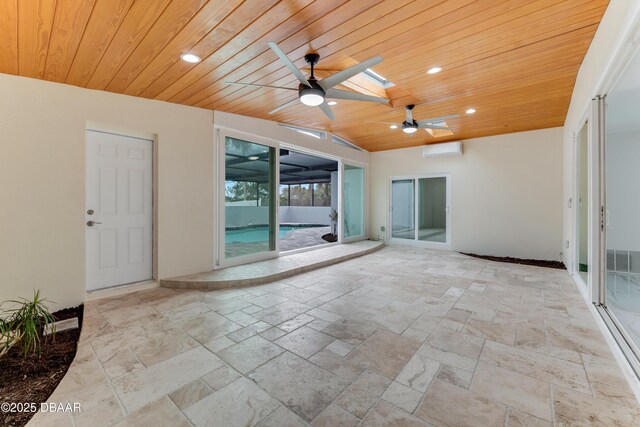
(190, 57)
(470, 111)
(393, 127)
(332, 102)
(434, 70)
(253, 157)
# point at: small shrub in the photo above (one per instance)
(26, 324)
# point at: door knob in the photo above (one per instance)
(92, 223)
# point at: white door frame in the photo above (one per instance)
(365, 199)
(221, 133)
(575, 250)
(151, 137)
(416, 207)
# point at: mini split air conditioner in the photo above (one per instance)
(446, 149)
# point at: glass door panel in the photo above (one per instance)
(403, 209)
(622, 204)
(353, 201)
(582, 202)
(432, 209)
(250, 203)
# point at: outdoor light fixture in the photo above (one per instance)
(393, 127)
(470, 111)
(434, 70)
(253, 157)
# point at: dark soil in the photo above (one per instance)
(535, 262)
(330, 237)
(33, 378)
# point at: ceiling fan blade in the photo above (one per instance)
(257, 85)
(434, 127)
(327, 110)
(290, 65)
(285, 105)
(353, 96)
(331, 81)
(421, 123)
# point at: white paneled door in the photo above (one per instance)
(118, 211)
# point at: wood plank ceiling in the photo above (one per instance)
(514, 61)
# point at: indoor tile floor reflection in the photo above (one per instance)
(623, 300)
(401, 337)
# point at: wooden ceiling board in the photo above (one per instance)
(366, 31)
(263, 62)
(514, 61)
(205, 22)
(69, 24)
(510, 70)
(290, 82)
(103, 23)
(187, 73)
(9, 36)
(177, 14)
(142, 15)
(35, 19)
(239, 46)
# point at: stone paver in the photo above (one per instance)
(404, 336)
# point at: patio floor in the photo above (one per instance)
(401, 337)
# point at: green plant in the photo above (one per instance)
(7, 336)
(333, 216)
(25, 324)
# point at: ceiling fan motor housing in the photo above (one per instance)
(312, 58)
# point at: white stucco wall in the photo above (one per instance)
(42, 185)
(506, 192)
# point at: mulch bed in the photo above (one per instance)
(32, 378)
(535, 262)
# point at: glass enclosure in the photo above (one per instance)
(402, 209)
(307, 187)
(353, 201)
(432, 209)
(250, 208)
(279, 200)
(419, 209)
(622, 204)
(582, 202)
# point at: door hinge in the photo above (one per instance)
(601, 218)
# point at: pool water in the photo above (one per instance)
(252, 235)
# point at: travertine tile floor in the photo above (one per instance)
(401, 337)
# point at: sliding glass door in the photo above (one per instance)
(432, 209)
(403, 209)
(621, 260)
(250, 225)
(582, 203)
(614, 209)
(420, 209)
(353, 202)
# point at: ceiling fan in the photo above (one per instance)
(410, 125)
(313, 92)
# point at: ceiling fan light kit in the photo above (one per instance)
(311, 96)
(409, 127)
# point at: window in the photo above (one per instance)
(322, 194)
